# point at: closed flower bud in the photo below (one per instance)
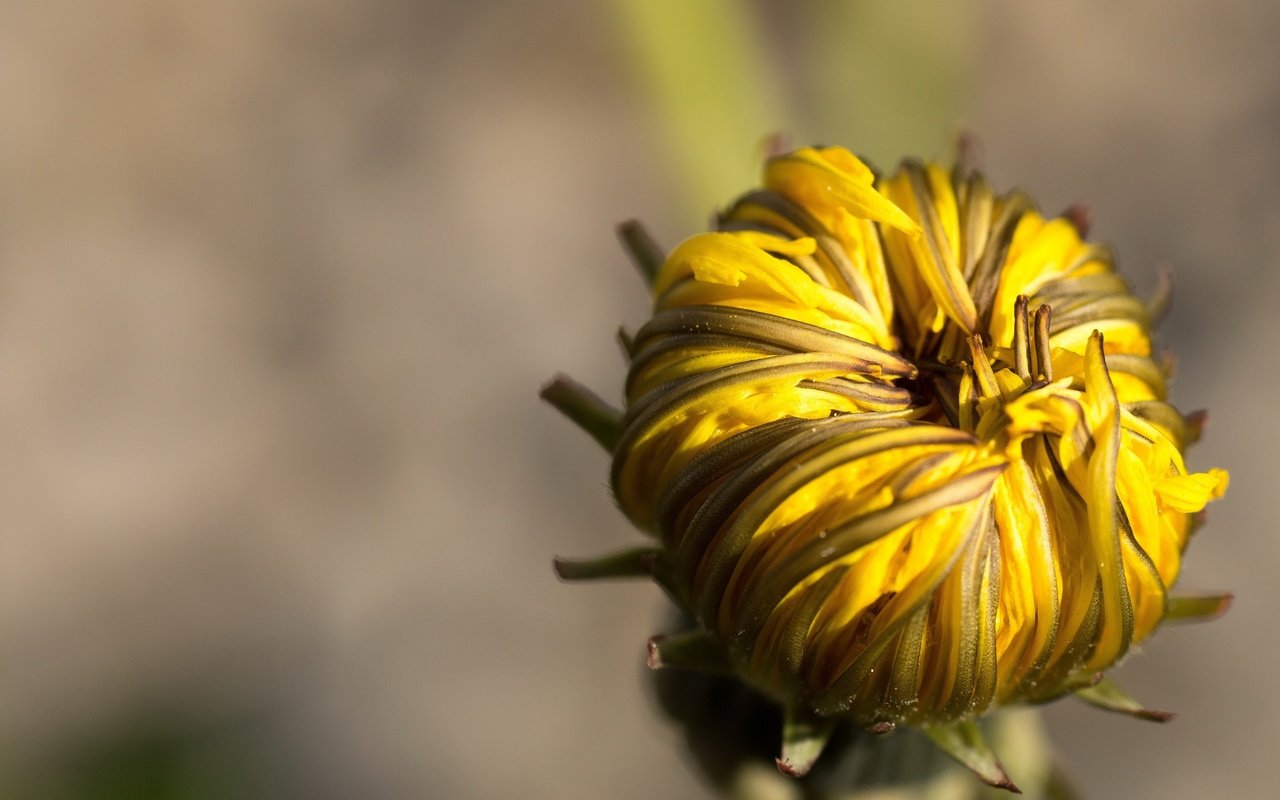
(905, 452)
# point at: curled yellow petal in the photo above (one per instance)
(1191, 493)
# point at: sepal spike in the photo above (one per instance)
(1196, 608)
(804, 736)
(635, 563)
(585, 409)
(1161, 299)
(964, 742)
(1196, 422)
(696, 651)
(645, 253)
(969, 156)
(1108, 696)
(626, 343)
(1081, 218)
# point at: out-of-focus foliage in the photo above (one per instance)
(722, 76)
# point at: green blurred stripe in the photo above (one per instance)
(890, 78)
(886, 78)
(716, 96)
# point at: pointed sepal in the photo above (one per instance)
(645, 253)
(1161, 299)
(1081, 218)
(964, 742)
(585, 409)
(635, 563)
(1108, 696)
(696, 651)
(626, 343)
(1198, 607)
(1196, 422)
(804, 735)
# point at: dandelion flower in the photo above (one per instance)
(905, 451)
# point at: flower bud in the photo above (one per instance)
(904, 451)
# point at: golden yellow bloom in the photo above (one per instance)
(905, 450)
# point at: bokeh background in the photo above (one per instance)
(280, 279)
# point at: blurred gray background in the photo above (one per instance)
(279, 282)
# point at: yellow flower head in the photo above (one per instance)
(905, 451)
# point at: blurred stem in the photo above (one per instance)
(890, 78)
(887, 79)
(712, 84)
